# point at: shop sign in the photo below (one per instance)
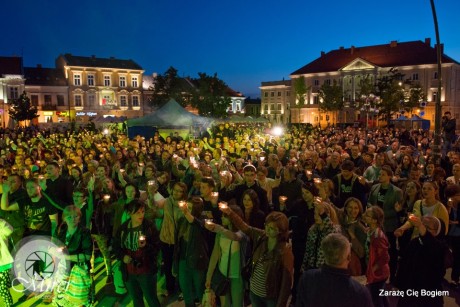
(48, 113)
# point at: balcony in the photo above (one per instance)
(49, 107)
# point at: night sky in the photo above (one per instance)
(243, 41)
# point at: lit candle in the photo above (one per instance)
(141, 164)
(283, 199)
(317, 180)
(41, 177)
(142, 239)
(151, 182)
(182, 203)
(223, 205)
(208, 221)
(106, 197)
(309, 173)
(122, 170)
(318, 199)
(215, 194)
(262, 159)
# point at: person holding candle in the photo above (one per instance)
(79, 247)
(191, 253)
(168, 232)
(136, 245)
(377, 256)
(271, 271)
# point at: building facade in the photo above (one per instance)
(416, 60)
(12, 85)
(276, 101)
(47, 90)
(102, 86)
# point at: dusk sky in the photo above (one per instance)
(244, 41)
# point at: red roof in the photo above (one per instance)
(388, 55)
(10, 65)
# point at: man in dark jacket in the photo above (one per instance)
(315, 285)
(448, 126)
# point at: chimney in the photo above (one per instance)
(393, 44)
(341, 48)
(352, 49)
(39, 65)
(428, 41)
(442, 48)
(323, 53)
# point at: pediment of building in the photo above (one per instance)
(358, 64)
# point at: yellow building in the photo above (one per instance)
(102, 86)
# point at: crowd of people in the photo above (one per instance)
(256, 217)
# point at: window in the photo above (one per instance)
(34, 100)
(316, 82)
(266, 94)
(279, 94)
(435, 75)
(315, 99)
(327, 81)
(288, 93)
(106, 80)
(435, 95)
(90, 80)
(415, 76)
(60, 100)
(272, 107)
(266, 108)
(123, 101)
(134, 82)
(14, 92)
(78, 101)
(279, 106)
(122, 81)
(91, 100)
(272, 94)
(135, 101)
(77, 79)
(47, 100)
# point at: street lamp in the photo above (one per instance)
(369, 106)
(437, 113)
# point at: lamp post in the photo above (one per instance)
(437, 113)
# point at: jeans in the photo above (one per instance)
(258, 301)
(143, 286)
(167, 251)
(455, 244)
(191, 282)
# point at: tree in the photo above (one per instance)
(170, 86)
(21, 109)
(414, 96)
(331, 97)
(210, 98)
(301, 89)
(391, 92)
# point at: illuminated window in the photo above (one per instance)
(135, 101)
(122, 81)
(279, 106)
(106, 80)
(77, 79)
(123, 101)
(90, 80)
(415, 76)
(134, 82)
(78, 101)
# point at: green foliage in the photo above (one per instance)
(211, 98)
(21, 109)
(391, 93)
(414, 96)
(331, 97)
(170, 86)
(301, 90)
